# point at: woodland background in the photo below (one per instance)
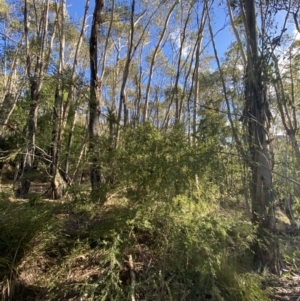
(141, 162)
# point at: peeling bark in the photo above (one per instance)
(258, 122)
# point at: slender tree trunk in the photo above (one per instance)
(122, 101)
(11, 89)
(132, 47)
(70, 144)
(36, 81)
(95, 99)
(182, 41)
(70, 97)
(156, 49)
(66, 108)
(236, 33)
(290, 124)
(59, 182)
(196, 71)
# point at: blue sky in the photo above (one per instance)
(76, 8)
(219, 17)
(223, 38)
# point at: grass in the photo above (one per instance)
(79, 250)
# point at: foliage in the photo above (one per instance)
(175, 256)
(174, 191)
(162, 209)
(153, 164)
(167, 218)
(21, 224)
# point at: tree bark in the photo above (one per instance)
(71, 89)
(95, 99)
(132, 47)
(71, 93)
(12, 89)
(196, 72)
(36, 81)
(182, 41)
(258, 122)
(289, 212)
(152, 63)
(130, 51)
(58, 183)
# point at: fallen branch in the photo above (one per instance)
(132, 277)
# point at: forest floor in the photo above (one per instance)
(58, 255)
(286, 288)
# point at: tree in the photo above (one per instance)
(257, 119)
(155, 52)
(95, 97)
(58, 183)
(37, 60)
(65, 83)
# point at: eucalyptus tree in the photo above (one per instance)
(156, 50)
(185, 20)
(136, 37)
(257, 117)
(38, 44)
(95, 96)
(130, 52)
(74, 80)
(285, 72)
(65, 84)
(180, 52)
(57, 107)
(184, 49)
(195, 80)
(279, 72)
(12, 81)
(286, 90)
(159, 92)
(37, 33)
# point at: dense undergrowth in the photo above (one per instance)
(174, 226)
(72, 251)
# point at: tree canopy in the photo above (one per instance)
(152, 145)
